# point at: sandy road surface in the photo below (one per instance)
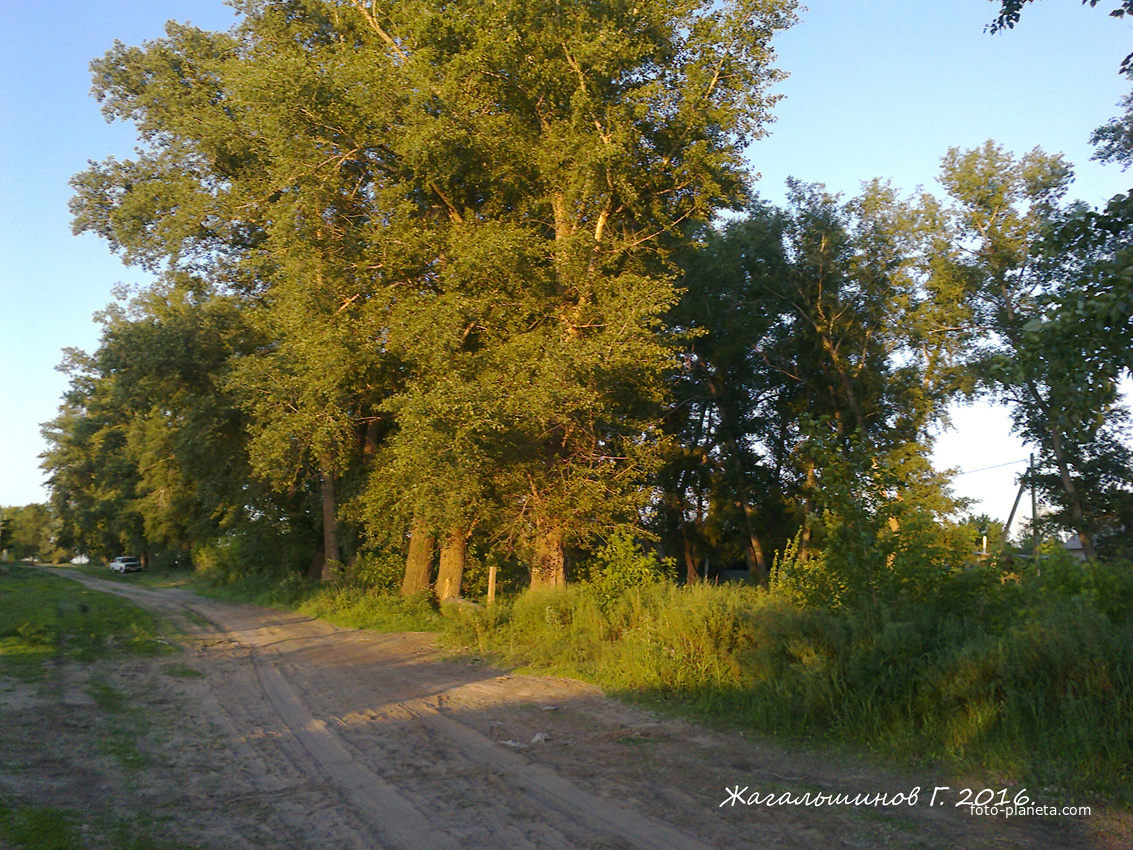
(302, 735)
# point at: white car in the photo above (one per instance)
(125, 564)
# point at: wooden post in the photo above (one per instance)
(491, 584)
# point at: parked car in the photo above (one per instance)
(125, 564)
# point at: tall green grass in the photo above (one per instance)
(1004, 679)
(346, 603)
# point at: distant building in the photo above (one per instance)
(1074, 546)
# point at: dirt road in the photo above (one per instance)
(272, 730)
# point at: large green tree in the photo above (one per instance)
(820, 350)
(1034, 296)
(30, 532)
(149, 448)
(454, 225)
(1109, 302)
(571, 145)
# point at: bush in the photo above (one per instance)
(378, 571)
(621, 564)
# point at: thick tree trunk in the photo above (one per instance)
(330, 525)
(451, 573)
(548, 566)
(315, 568)
(370, 440)
(418, 562)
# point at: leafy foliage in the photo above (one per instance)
(621, 565)
(1011, 10)
(448, 248)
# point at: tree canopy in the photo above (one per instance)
(451, 241)
(458, 278)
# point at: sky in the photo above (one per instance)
(876, 89)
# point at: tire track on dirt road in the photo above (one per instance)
(565, 814)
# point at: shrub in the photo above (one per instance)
(622, 564)
(378, 571)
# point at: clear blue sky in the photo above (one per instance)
(877, 89)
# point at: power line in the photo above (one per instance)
(986, 468)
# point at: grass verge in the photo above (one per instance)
(42, 828)
(1012, 687)
(45, 620)
(44, 617)
(344, 604)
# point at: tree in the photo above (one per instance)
(726, 483)
(1030, 288)
(261, 196)
(92, 478)
(1093, 324)
(816, 360)
(5, 534)
(609, 130)
(440, 208)
(29, 532)
(149, 450)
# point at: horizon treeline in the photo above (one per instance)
(444, 286)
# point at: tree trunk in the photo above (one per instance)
(1076, 512)
(330, 525)
(451, 573)
(370, 440)
(808, 509)
(418, 562)
(548, 566)
(753, 549)
(315, 568)
(692, 573)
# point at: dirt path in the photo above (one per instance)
(297, 734)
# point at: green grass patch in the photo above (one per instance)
(357, 608)
(343, 604)
(125, 726)
(106, 697)
(43, 616)
(183, 671)
(985, 679)
(149, 577)
(120, 745)
(39, 828)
